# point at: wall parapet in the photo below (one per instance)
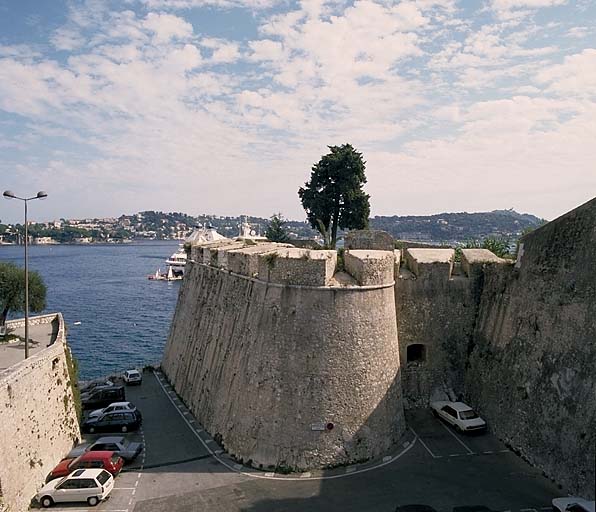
(285, 265)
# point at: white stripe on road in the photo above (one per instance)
(424, 444)
(457, 438)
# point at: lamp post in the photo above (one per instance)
(40, 195)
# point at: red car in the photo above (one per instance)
(99, 460)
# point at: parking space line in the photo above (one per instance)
(457, 454)
(424, 444)
(457, 438)
(489, 451)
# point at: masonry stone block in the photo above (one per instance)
(294, 266)
(436, 262)
(370, 267)
(245, 261)
(472, 260)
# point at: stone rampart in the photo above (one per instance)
(435, 313)
(532, 367)
(38, 420)
(285, 371)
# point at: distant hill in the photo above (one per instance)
(458, 227)
(444, 228)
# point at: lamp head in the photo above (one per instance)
(8, 194)
(41, 195)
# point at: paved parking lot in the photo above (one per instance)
(183, 469)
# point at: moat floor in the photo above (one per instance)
(184, 470)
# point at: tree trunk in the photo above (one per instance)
(334, 222)
(4, 315)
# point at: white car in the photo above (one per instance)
(458, 414)
(90, 485)
(573, 504)
(133, 377)
(115, 407)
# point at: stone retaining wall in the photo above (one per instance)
(38, 423)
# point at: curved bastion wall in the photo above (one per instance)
(288, 363)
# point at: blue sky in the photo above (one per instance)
(222, 106)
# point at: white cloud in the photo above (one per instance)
(576, 76)
(469, 113)
(167, 26)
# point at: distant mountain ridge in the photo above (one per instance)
(442, 228)
(457, 227)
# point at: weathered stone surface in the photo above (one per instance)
(370, 267)
(438, 313)
(532, 368)
(298, 267)
(472, 260)
(369, 239)
(38, 423)
(260, 365)
(246, 261)
(430, 261)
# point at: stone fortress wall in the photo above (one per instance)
(288, 363)
(532, 368)
(437, 303)
(38, 422)
(268, 341)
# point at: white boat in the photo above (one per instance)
(177, 261)
(171, 275)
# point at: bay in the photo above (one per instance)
(124, 317)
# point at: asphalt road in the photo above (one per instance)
(184, 470)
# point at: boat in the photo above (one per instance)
(200, 235)
(170, 275)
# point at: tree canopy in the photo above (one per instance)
(276, 232)
(333, 198)
(12, 290)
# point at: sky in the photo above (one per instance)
(223, 106)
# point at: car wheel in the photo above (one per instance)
(92, 501)
(92, 430)
(46, 502)
(124, 428)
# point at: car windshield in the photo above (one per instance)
(468, 415)
(73, 463)
(103, 477)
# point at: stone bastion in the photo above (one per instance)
(288, 357)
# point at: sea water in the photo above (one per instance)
(124, 317)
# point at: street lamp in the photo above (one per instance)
(40, 195)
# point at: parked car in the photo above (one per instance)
(115, 407)
(122, 421)
(87, 387)
(573, 504)
(99, 460)
(90, 485)
(458, 414)
(121, 446)
(103, 396)
(133, 377)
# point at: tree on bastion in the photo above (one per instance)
(333, 198)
